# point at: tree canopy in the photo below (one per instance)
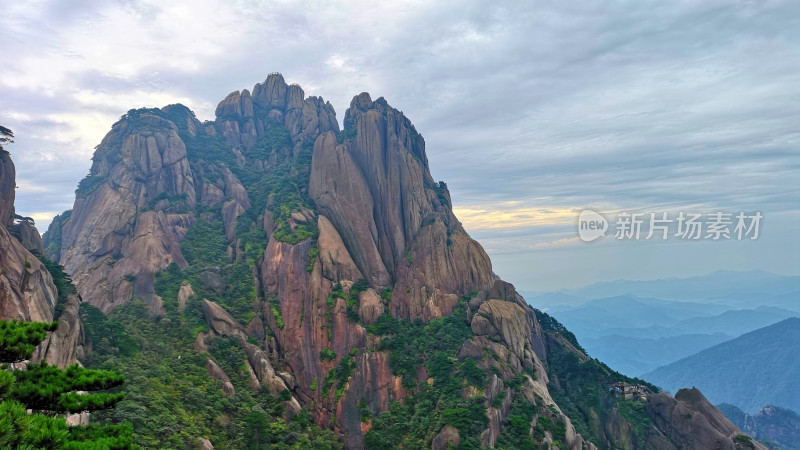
(6, 137)
(49, 391)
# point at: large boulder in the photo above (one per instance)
(447, 438)
(221, 321)
(370, 306)
(28, 236)
(691, 422)
(213, 281)
(235, 106)
(271, 93)
(215, 372)
(184, 293)
(504, 320)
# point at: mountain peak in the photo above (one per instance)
(361, 102)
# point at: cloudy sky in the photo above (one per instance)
(531, 111)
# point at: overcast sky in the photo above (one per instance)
(531, 111)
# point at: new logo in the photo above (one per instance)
(591, 225)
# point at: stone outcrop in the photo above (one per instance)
(215, 372)
(334, 257)
(447, 438)
(223, 324)
(27, 291)
(221, 321)
(205, 444)
(184, 293)
(771, 424)
(51, 240)
(690, 421)
(128, 217)
(63, 346)
(26, 287)
(370, 306)
(235, 105)
(212, 281)
(28, 236)
(396, 222)
(242, 118)
(236, 206)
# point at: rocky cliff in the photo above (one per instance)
(332, 261)
(27, 291)
(777, 428)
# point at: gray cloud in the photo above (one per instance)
(547, 104)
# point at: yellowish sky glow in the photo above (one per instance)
(513, 215)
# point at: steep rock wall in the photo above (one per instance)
(27, 291)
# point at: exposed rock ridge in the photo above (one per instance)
(26, 287)
(64, 346)
(242, 118)
(27, 291)
(690, 421)
(395, 221)
(127, 220)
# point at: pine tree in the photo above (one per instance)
(6, 137)
(18, 340)
(48, 390)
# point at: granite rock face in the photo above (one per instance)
(771, 424)
(128, 218)
(690, 421)
(8, 186)
(26, 287)
(63, 346)
(28, 236)
(27, 291)
(377, 191)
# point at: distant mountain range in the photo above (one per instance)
(636, 356)
(711, 286)
(648, 324)
(759, 368)
(730, 288)
(732, 323)
(635, 335)
(597, 317)
(777, 428)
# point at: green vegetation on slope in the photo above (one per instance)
(348, 133)
(413, 422)
(580, 389)
(62, 282)
(49, 391)
(170, 398)
(204, 249)
(18, 339)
